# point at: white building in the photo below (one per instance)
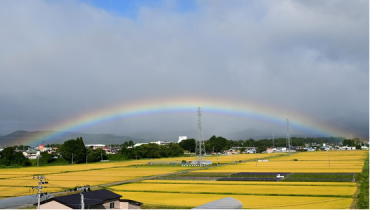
(161, 142)
(95, 146)
(182, 138)
(139, 144)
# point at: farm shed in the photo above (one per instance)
(99, 199)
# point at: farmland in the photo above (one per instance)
(304, 181)
(175, 192)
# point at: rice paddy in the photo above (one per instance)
(191, 192)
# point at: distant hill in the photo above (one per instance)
(17, 136)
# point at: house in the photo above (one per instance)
(31, 154)
(99, 199)
(269, 150)
(364, 148)
(281, 149)
(250, 151)
(299, 148)
(231, 152)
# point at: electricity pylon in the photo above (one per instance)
(199, 144)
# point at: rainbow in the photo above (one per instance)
(184, 105)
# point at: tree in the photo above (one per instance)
(46, 158)
(188, 144)
(261, 148)
(96, 155)
(8, 157)
(77, 147)
(219, 143)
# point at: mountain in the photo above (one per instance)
(17, 137)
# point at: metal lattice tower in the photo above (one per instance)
(288, 142)
(200, 148)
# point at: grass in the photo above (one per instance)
(363, 197)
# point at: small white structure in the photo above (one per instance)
(279, 176)
(161, 142)
(182, 138)
(364, 148)
(139, 144)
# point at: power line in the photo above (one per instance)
(42, 180)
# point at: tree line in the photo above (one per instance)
(218, 144)
(75, 150)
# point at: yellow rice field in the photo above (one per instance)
(304, 195)
(340, 161)
(248, 201)
(63, 178)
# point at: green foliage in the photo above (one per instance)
(116, 157)
(8, 157)
(77, 147)
(96, 155)
(218, 144)
(188, 144)
(261, 148)
(46, 158)
(153, 151)
(363, 197)
(350, 143)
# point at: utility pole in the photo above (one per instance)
(38, 158)
(42, 181)
(83, 189)
(273, 140)
(256, 158)
(72, 158)
(288, 134)
(101, 155)
(217, 158)
(136, 161)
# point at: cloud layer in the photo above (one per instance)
(59, 59)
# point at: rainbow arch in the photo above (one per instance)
(182, 105)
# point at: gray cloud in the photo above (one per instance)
(61, 58)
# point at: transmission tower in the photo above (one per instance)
(288, 142)
(199, 144)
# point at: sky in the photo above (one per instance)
(64, 59)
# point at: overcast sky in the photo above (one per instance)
(60, 59)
